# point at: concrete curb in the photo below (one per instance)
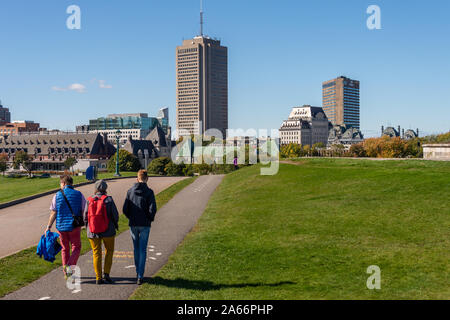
(19, 201)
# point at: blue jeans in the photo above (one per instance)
(140, 241)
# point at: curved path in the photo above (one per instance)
(22, 225)
(173, 222)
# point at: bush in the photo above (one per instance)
(158, 166)
(202, 169)
(357, 150)
(387, 147)
(291, 150)
(127, 162)
(174, 170)
(3, 163)
(188, 171)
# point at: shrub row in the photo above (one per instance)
(166, 167)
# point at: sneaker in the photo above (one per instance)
(107, 279)
(67, 272)
(99, 281)
(140, 281)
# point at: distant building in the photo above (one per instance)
(5, 115)
(49, 151)
(341, 101)
(202, 86)
(344, 135)
(144, 150)
(160, 141)
(306, 125)
(136, 134)
(399, 132)
(410, 134)
(18, 127)
(163, 119)
(156, 144)
(124, 121)
(138, 125)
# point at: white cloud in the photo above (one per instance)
(73, 87)
(77, 87)
(58, 89)
(102, 84)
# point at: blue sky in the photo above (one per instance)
(279, 54)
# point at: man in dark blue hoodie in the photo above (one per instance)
(140, 209)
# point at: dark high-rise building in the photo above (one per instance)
(5, 115)
(341, 101)
(202, 85)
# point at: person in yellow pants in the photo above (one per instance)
(96, 245)
(107, 237)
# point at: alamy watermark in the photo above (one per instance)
(374, 281)
(73, 283)
(73, 22)
(374, 20)
(242, 147)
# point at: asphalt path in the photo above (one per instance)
(173, 222)
(22, 225)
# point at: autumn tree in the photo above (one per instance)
(25, 160)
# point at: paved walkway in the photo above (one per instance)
(173, 222)
(22, 225)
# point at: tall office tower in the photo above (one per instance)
(341, 101)
(5, 115)
(202, 85)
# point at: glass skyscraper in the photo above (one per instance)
(124, 121)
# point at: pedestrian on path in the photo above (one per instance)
(102, 220)
(67, 209)
(140, 209)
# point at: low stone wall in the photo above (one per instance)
(436, 151)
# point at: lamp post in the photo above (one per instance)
(117, 174)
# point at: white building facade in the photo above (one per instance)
(306, 125)
(136, 134)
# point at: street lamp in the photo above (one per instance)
(118, 135)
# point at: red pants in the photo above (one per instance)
(69, 239)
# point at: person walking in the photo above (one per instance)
(101, 221)
(140, 209)
(67, 209)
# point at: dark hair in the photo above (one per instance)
(67, 179)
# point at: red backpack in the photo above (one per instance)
(97, 215)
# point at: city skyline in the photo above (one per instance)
(127, 65)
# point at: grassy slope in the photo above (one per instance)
(24, 267)
(311, 231)
(17, 188)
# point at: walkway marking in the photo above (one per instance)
(201, 187)
(151, 250)
(153, 258)
(152, 247)
(159, 253)
(129, 267)
(76, 291)
(44, 298)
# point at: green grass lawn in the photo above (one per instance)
(312, 231)
(25, 267)
(17, 188)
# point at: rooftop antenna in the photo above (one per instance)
(201, 18)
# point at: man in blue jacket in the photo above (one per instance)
(140, 209)
(66, 204)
